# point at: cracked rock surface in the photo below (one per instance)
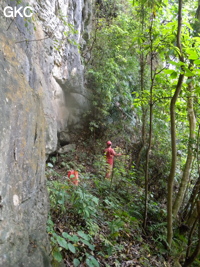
(42, 94)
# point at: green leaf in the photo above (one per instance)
(76, 262)
(189, 80)
(62, 242)
(177, 50)
(193, 56)
(73, 238)
(188, 73)
(177, 64)
(197, 90)
(72, 248)
(95, 200)
(197, 62)
(94, 261)
(57, 256)
(173, 75)
(88, 244)
(91, 262)
(168, 71)
(83, 235)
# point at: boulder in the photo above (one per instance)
(66, 148)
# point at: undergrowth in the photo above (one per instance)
(99, 222)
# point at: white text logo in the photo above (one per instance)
(14, 11)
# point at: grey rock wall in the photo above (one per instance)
(23, 196)
(42, 95)
(64, 21)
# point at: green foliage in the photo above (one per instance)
(110, 67)
(131, 65)
(72, 243)
(85, 204)
(93, 207)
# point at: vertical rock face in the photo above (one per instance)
(64, 21)
(42, 95)
(23, 197)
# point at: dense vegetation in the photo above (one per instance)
(142, 67)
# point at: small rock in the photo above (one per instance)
(67, 148)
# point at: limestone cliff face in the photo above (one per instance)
(42, 95)
(23, 207)
(64, 21)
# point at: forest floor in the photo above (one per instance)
(99, 222)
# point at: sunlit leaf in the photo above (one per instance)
(173, 75)
(197, 62)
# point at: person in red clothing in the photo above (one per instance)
(110, 154)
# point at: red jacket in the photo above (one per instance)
(110, 153)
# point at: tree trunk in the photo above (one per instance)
(173, 161)
(142, 78)
(173, 134)
(150, 129)
(185, 177)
